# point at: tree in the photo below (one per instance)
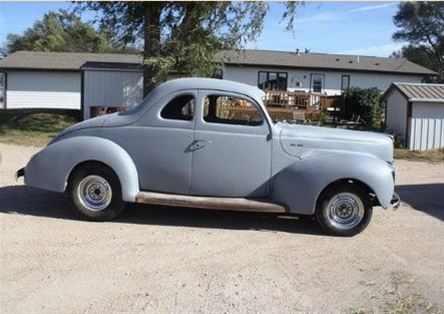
(183, 36)
(61, 31)
(417, 54)
(421, 24)
(367, 104)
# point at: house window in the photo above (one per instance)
(218, 74)
(231, 110)
(272, 80)
(345, 82)
(317, 82)
(179, 108)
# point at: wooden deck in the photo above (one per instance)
(300, 100)
(301, 107)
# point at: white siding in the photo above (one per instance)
(427, 126)
(397, 113)
(332, 79)
(112, 88)
(46, 90)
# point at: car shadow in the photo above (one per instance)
(25, 200)
(427, 198)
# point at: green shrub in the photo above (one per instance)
(366, 104)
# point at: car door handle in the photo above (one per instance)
(197, 144)
(297, 144)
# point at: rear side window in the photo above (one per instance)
(179, 108)
(231, 110)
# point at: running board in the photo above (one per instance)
(223, 203)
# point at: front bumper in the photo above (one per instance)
(396, 201)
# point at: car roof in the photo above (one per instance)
(211, 84)
(188, 84)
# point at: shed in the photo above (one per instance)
(415, 114)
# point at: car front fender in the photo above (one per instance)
(299, 185)
(50, 168)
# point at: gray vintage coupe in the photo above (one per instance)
(210, 143)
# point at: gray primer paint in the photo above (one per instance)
(288, 164)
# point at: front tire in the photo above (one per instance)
(344, 210)
(95, 193)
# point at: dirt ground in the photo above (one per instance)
(160, 259)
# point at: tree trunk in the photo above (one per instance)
(152, 45)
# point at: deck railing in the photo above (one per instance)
(298, 100)
(297, 106)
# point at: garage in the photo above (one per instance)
(91, 83)
(415, 114)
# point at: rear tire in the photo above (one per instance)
(344, 210)
(95, 193)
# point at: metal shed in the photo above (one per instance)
(415, 113)
(110, 85)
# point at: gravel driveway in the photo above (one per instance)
(160, 259)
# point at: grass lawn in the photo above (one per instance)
(430, 155)
(35, 129)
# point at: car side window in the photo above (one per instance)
(231, 110)
(179, 108)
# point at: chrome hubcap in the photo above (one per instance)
(94, 192)
(345, 210)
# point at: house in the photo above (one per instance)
(415, 114)
(318, 72)
(86, 81)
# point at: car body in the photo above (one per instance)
(213, 140)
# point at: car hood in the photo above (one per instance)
(90, 123)
(298, 140)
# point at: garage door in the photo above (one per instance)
(46, 90)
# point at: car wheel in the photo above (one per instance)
(344, 210)
(95, 193)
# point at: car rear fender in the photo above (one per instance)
(299, 185)
(50, 168)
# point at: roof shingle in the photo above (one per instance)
(264, 58)
(62, 60)
(324, 61)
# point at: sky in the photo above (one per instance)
(363, 28)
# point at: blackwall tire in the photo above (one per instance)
(95, 193)
(344, 210)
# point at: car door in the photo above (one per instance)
(164, 135)
(231, 147)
